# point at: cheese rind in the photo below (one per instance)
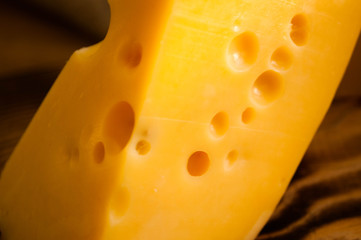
(186, 122)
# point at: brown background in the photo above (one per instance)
(323, 200)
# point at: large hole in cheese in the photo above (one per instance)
(268, 87)
(243, 51)
(248, 115)
(300, 29)
(119, 125)
(198, 163)
(220, 124)
(282, 58)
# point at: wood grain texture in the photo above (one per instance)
(323, 200)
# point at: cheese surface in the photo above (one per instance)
(186, 122)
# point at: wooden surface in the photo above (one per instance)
(322, 202)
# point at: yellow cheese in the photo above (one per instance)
(186, 122)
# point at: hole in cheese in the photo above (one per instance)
(142, 147)
(73, 154)
(99, 152)
(268, 87)
(220, 124)
(232, 157)
(119, 202)
(300, 29)
(282, 58)
(131, 54)
(243, 51)
(248, 115)
(198, 163)
(119, 125)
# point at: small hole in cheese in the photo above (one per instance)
(232, 157)
(220, 124)
(248, 115)
(243, 51)
(73, 154)
(198, 163)
(119, 125)
(119, 202)
(131, 54)
(282, 58)
(142, 147)
(268, 87)
(99, 152)
(300, 29)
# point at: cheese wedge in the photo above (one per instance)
(186, 122)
